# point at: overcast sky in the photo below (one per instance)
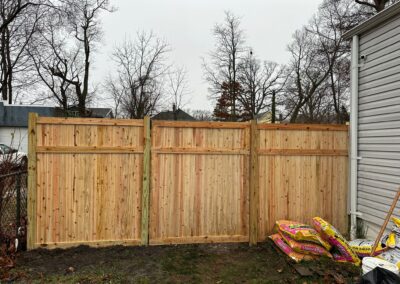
(187, 26)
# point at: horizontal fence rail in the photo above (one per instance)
(105, 182)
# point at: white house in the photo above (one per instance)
(14, 122)
(375, 118)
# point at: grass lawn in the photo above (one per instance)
(222, 263)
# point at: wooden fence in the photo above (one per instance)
(101, 181)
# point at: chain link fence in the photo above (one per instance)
(13, 206)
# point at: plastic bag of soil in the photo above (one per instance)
(363, 248)
(380, 276)
(297, 257)
(329, 233)
(300, 232)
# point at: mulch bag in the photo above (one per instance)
(305, 247)
(380, 276)
(301, 232)
(392, 256)
(393, 239)
(280, 243)
(335, 239)
(363, 248)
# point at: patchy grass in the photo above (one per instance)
(222, 263)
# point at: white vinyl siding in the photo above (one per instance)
(379, 122)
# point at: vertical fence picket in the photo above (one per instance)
(18, 202)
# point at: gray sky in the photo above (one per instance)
(187, 26)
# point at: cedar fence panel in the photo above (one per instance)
(103, 182)
(303, 173)
(88, 182)
(199, 190)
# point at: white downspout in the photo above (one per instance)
(354, 135)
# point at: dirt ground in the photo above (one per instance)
(222, 263)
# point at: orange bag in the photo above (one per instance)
(280, 243)
(305, 247)
(301, 232)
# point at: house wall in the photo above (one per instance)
(16, 137)
(379, 122)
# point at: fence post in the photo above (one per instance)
(253, 183)
(146, 181)
(32, 173)
(18, 207)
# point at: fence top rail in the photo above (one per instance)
(200, 124)
(294, 126)
(90, 121)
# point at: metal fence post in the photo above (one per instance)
(18, 207)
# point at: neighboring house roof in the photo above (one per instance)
(17, 115)
(374, 21)
(169, 115)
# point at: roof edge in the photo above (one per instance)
(372, 22)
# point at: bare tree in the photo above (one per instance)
(307, 72)
(258, 82)
(202, 115)
(177, 87)
(320, 61)
(11, 9)
(115, 92)
(224, 61)
(20, 22)
(329, 26)
(141, 68)
(51, 53)
(83, 23)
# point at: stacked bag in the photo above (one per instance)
(303, 242)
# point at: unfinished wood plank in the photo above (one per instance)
(94, 244)
(310, 127)
(32, 181)
(200, 151)
(201, 124)
(89, 150)
(253, 184)
(200, 240)
(89, 121)
(146, 181)
(303, 152)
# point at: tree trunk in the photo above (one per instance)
(273, 107)
(380, 5)
(84, 93)
(9, 67)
